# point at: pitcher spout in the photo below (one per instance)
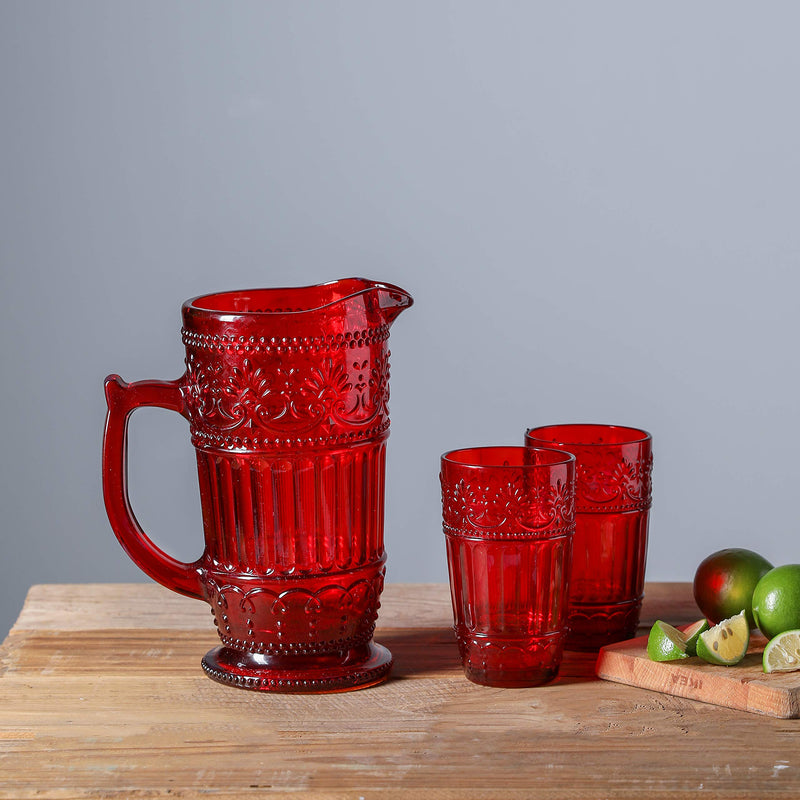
(391, 300)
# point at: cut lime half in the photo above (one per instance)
(782, 653)
(666, 643)
(725, 643)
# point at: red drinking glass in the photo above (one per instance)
(508, 515)
(614, 493)
(286, 394)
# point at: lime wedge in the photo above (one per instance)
(782, 654)
(692, 634)
(725, 643)
(666, 643)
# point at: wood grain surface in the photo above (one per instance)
(101, 695)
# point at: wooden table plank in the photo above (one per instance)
(101, 695)
(66, 606)
(74, 607)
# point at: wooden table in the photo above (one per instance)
(102, 695)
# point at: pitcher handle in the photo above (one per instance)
(122, 399)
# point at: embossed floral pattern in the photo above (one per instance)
(615, 483)
(285, 396)
(515, 507)
(248, 390)
(327, 384)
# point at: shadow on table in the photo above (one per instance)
(421, 651)
(433, 652)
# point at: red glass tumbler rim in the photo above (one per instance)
(617, 434)
(222, 303)
(491, 457)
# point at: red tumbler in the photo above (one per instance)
(613, 498)
(286, 394)
(508, 515)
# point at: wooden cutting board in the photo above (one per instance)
(744, 686)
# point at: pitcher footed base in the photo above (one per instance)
(356, 669)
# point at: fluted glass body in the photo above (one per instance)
(613, 499)
(286, 392)
(508, 519)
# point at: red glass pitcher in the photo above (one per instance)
(286, 393)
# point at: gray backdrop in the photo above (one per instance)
(595, 206)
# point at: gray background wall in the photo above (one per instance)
(595, 206)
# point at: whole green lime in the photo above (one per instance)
(724, 583)
(776, 600)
